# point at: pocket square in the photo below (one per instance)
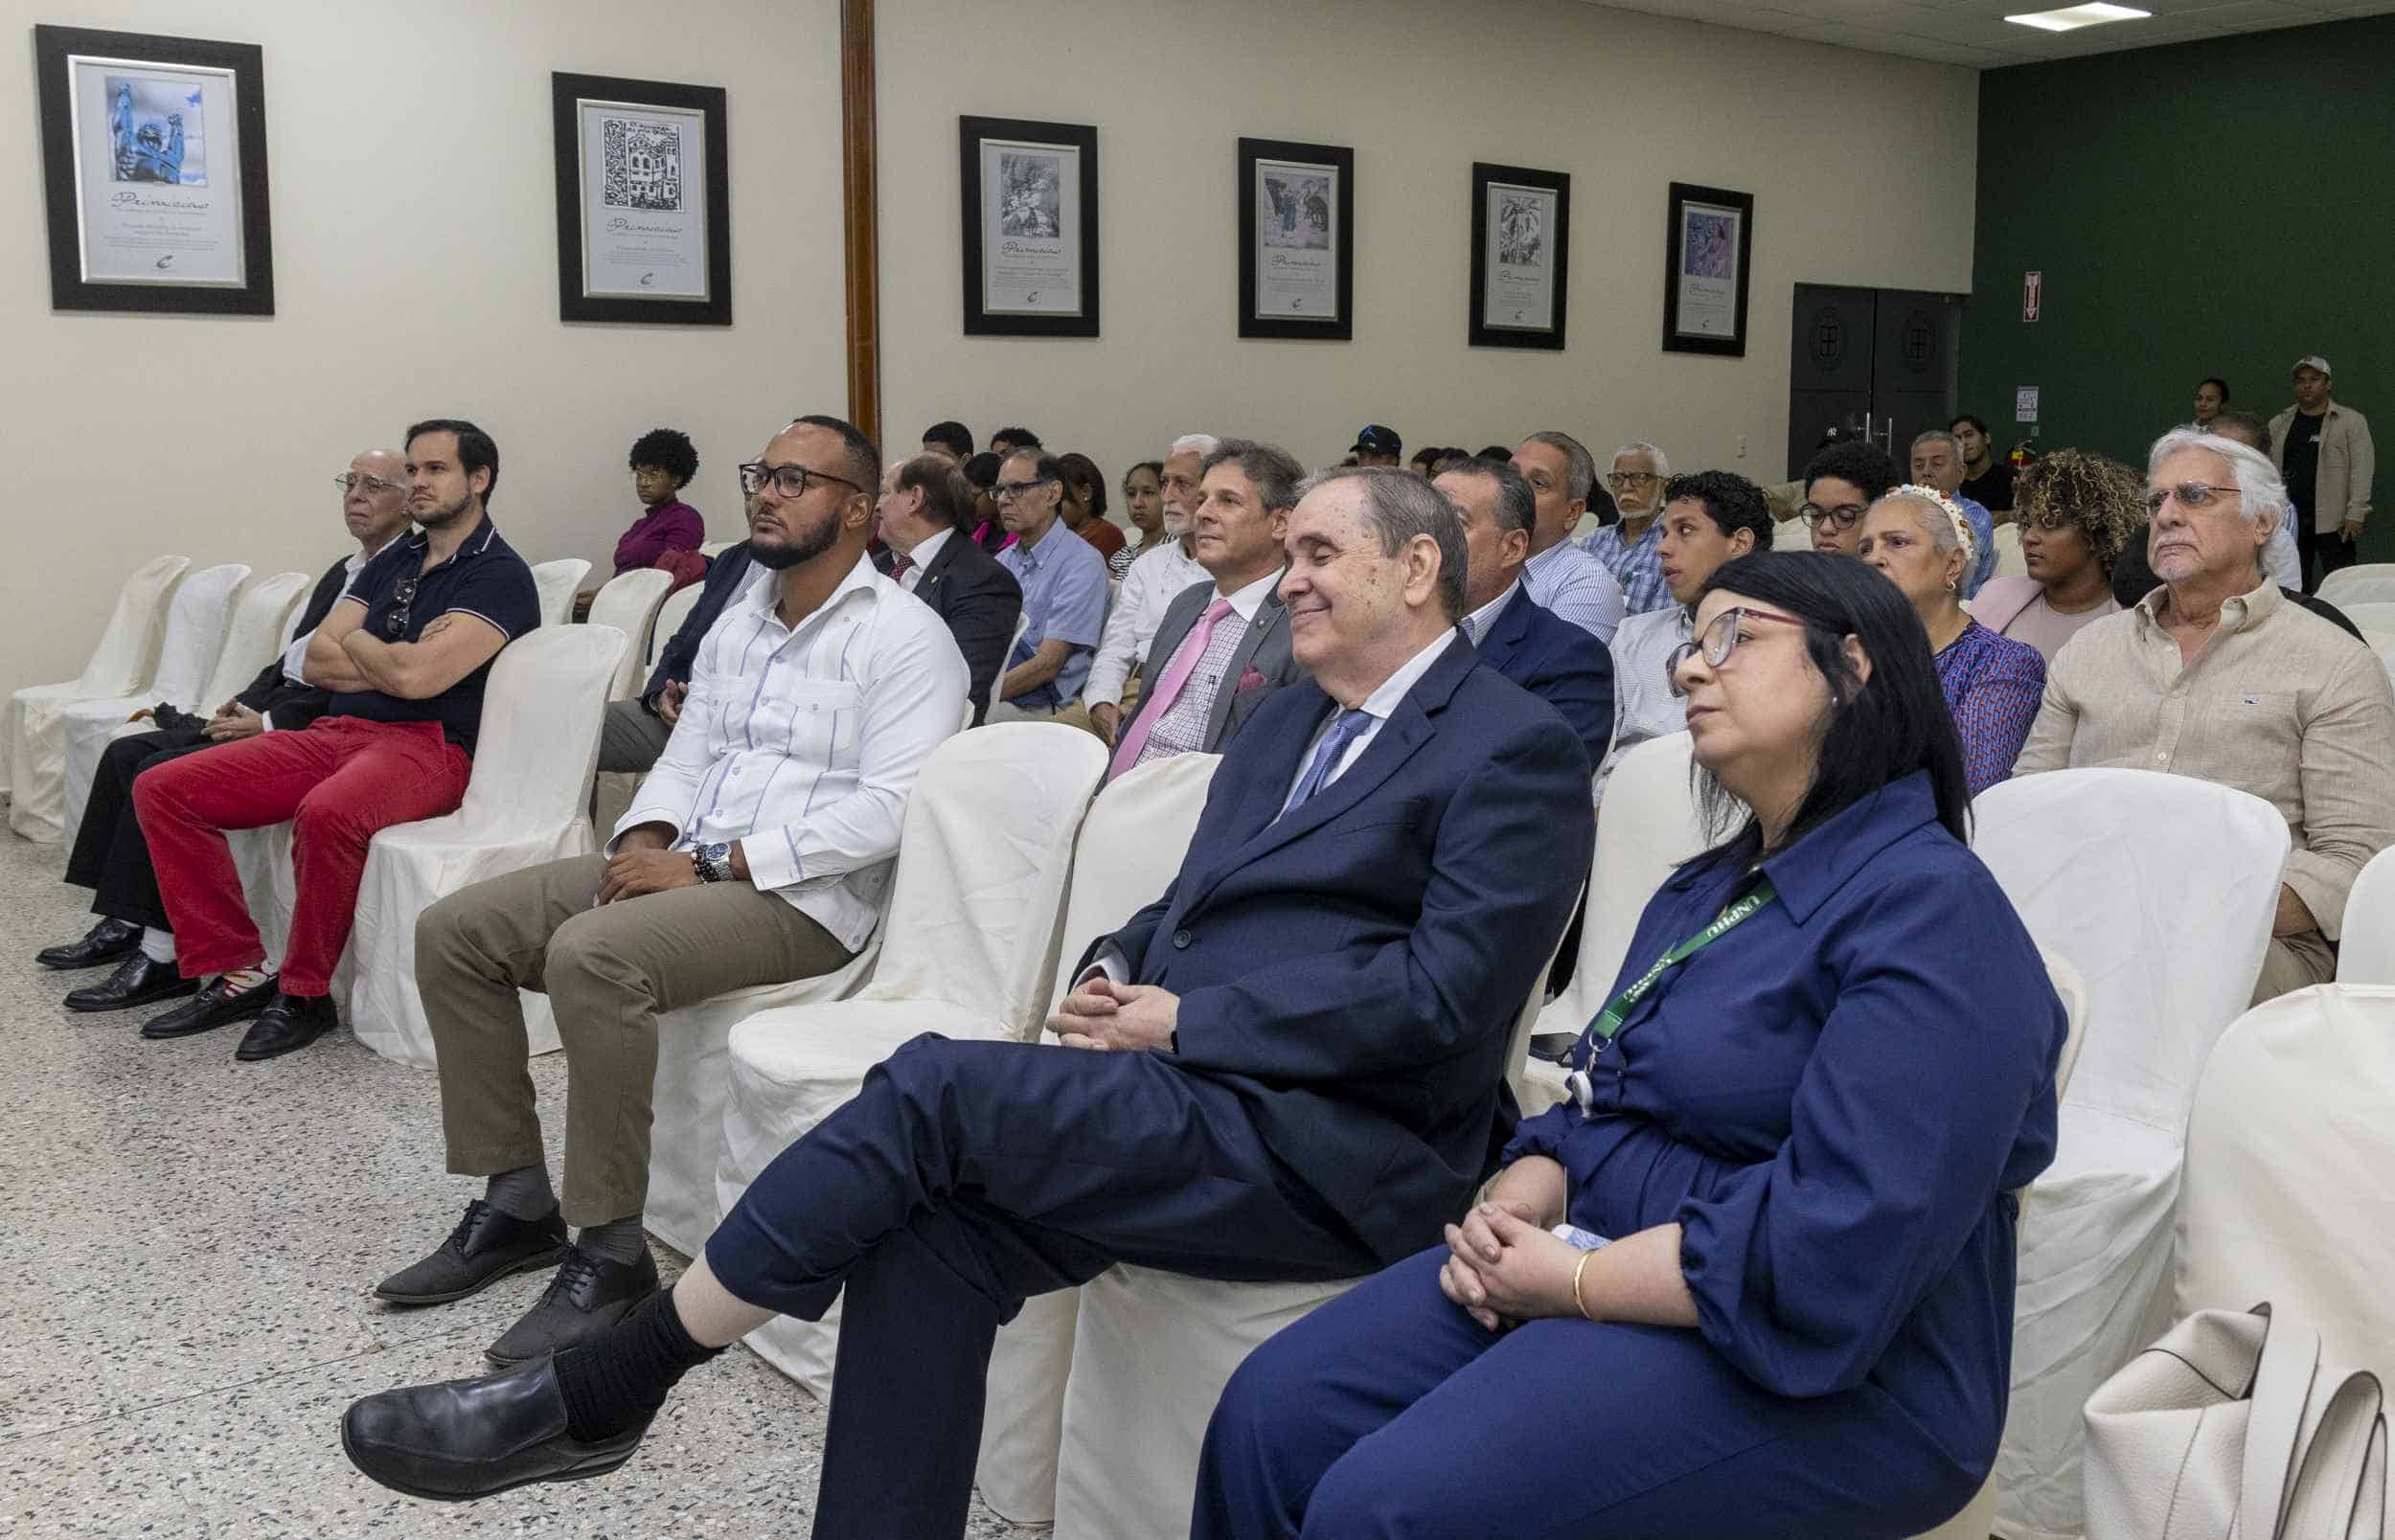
(1249, 679)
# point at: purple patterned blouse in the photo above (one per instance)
(1994, 686)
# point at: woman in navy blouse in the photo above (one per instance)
(1992, 684)
(1801, 1139)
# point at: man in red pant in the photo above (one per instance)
(405, 654)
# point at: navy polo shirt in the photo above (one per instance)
(484, 578)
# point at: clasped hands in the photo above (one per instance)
(643, 865)
(1105, 1015)
(1503, 1268)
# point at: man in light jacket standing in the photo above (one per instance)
(2323, 450)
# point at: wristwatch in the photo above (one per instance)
(714, 863)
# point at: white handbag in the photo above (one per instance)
(2230, 1428)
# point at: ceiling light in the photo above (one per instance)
(2070, 18)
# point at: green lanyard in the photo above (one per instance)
(1609, 1020)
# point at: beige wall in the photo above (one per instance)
(1862, 167)
(415, 246)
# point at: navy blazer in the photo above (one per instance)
(980, 602)
(1354, 970)
(1559, 663)
(727, 574)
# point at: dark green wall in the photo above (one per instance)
(2214, 208)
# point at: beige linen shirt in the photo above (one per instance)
(2279, 703)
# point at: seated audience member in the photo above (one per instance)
(1158, 578)
(1142, 504)
(1563, 579)
(1064, 591)
(699, 891)
(1307, 1016)
(633, 733)
(109, 855)
(1376, 445)
(990, 531)
(1841, 483)
(1627, 546)
(404, 656)
(2214, 674)
(1987, 479)
(2076, 512)
(1223, 645)
(953, 439)
(2132, 574)
(1709, 518)
(663, 461)
(1084, 507)
(1427, 460)
(1553, 660)
(1919, 537)
(1937, 464)
(2211, 395)
(1796, 1149)
(1009, 441)
(924, 506)
(1496, 451)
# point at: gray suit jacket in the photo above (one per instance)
(1262, 647)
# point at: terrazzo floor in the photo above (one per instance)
(185, 1303)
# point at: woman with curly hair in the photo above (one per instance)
(2077, 510)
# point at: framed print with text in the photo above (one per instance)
(1030, 218)
(1709, 251)
(1296, 240)
(644, 201)
(153, 158)
(1520, 253)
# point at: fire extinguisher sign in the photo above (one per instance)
(2032, 295)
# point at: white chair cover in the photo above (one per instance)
(2365, 954)
(523, 805)
(973, 930)
(630, 603)
(260, 630)
(558, 582)
(2371, 582)
(2161, 891)
(2009, 560)
(196, 619)
(671, 615)
(614, 789)
(713, 548)
(2372, 617)
(121, 662)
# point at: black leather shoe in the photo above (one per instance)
(216, 1005)
(586, 1297)
(288, 1024)
(469, 1438)
(136, 981)
(104, 942)
(486, 1247)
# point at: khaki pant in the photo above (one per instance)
(1076, 714)
(2295, 962)
(610, 972)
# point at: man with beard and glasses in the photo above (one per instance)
(1156, 579)
(404, 656)
(759, 850)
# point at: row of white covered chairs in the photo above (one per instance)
(2366, 583)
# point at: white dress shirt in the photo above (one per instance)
(1476, 625)
(803, 744)
(1644, 706)
(296, 654)
(920, 558)
(1155, 580)
(1578, 587)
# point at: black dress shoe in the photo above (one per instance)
(104, 942)
(486, 1246)
(467, 1438)
(136, 981)
(588, 1295)
(288, 1023)
(217, 1005)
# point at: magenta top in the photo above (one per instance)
(673, 525)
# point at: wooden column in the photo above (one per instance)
(860, 200)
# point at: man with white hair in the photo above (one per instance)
(1630, 550)
(2324, 451)
(1938, 462)
(2217, 675)
(1563, 578)
(1155, 580)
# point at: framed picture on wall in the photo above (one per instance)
(1030, 220)
(1708, 253)
(1521, 255)
(153, 153)
(1296, 240)
(644, 201)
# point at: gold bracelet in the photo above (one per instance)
(1581, 1304)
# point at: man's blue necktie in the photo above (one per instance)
(1327, 755)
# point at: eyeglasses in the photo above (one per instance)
(790, 481)
(1843, 515)
(395, 623)
(2190, 495)
(1619, 479)
(2051, 523)
(373, 483)
(1008, 491)
(1717, 640)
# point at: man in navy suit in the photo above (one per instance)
(634, 732)
(925, 508)
(1553, 659)
(1296, 1067)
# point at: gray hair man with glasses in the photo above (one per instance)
(1064, 591)
(1630, 548)
(2217, 674)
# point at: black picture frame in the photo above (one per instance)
(1078, 139)
(1679, 335)
(1253, 322)
(1479, 331)
(54, 47)
(575, 303)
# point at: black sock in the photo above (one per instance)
(617, 1381)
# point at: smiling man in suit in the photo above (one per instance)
(1222, 646)
(925, 506)
(1299, 1069)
